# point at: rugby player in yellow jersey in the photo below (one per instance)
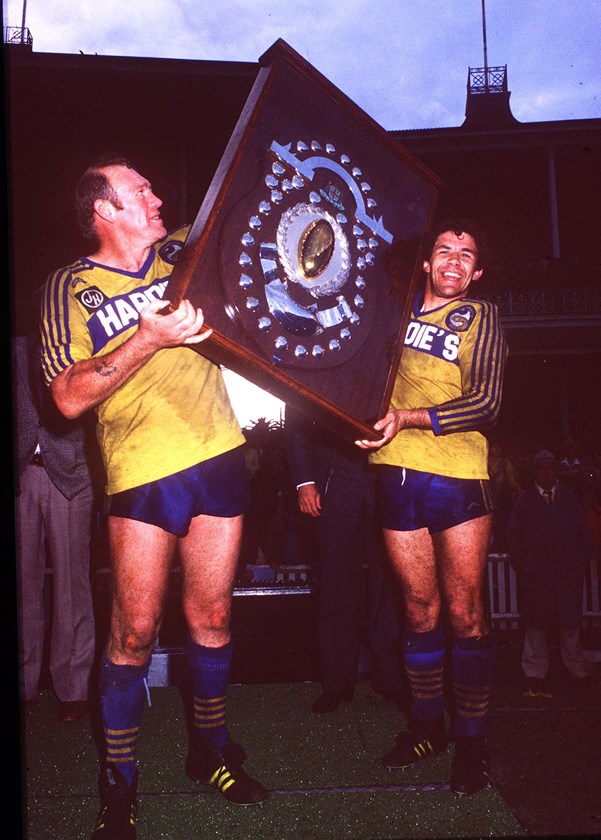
(176, 476)
(435, 503)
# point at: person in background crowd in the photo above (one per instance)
(570, 458)
(56, 472)
(336, 488)
(506, 487)
(550, 545)
(573, 472)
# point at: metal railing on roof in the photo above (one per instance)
(18, 35)
(487, 79)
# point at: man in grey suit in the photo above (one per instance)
(54, 502)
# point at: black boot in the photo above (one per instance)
(470, 765)
(118, 807)
(222, 768)
(423, 739)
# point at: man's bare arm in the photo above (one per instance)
(89, 382)
(395, 420)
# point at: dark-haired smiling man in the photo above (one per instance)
(435, 504)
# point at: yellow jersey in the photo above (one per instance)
(452, 364)
(172, 413)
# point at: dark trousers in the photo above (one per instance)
(351, 598)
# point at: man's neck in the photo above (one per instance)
(432, 301)
(123, 256)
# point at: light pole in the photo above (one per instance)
(23, 39)
(484, 42)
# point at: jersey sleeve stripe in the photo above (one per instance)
(479, 407)
(56, 334)
(482, 401)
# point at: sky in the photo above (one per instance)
(404, 62)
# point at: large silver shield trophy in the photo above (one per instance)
(306, 250)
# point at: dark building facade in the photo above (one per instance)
(535, 187)
(172, 118)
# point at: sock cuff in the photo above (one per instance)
(485, 642)
(201, 651)
(121, 675)
(429, 642)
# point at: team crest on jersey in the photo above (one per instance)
(91, 298)
(460, 319)
(170, 251)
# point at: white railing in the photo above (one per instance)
(503, 599)
(502, 593)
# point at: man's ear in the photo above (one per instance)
(477, 274)
(426, 266)
(104, 208)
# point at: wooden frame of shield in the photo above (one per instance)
(306, 251)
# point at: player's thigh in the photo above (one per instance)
(411, 555)
(141, 556)
(462, 551)
(209, 557)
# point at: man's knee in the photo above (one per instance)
(134, 639)
(217, 618)
(422, 615)
(467, 616)
(212, 618)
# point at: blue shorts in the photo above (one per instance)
(409, 500)
(217, 487)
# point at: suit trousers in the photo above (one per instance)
(535, 653)
(47, 521)
(353, 599)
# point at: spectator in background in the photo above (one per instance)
(570, 458)
(336, 488)
(572, 470)
(54, 513)
(506, 488)
(550, 545)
